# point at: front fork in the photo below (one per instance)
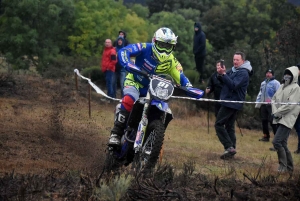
(142, 126)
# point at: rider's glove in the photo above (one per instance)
(189, 84)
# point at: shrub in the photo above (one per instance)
(61, 67)
(115, 189)
(95, 73)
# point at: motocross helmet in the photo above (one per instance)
(163, 43)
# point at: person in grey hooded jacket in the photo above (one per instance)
(285, 116)
(235, 83)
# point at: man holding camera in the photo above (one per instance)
(235, 83)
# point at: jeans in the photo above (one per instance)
(110, 80)
(281, 137)
(121, 77)
(225, 126)
(297, 128)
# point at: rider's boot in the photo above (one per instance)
(118, 129)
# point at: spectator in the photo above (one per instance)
(123, 35)
(297, 124)
(214, 85)
(285, 116)
(120, 71)
(235, 83)
(267, 89)
(199, 49)
(108, 62)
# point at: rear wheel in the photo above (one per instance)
(153, 142)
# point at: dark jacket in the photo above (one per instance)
(199, 48)
(126, 42)
(119, 68)
(235, 83)
(215, 86)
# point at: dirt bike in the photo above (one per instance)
(143, 138)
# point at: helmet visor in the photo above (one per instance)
(164, 46)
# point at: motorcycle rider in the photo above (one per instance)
(153, 58)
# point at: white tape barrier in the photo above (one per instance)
(99, 91)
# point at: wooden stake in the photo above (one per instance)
(76, 81)
(90, 97)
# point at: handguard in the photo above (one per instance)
(194, 92)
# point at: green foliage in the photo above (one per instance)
(141, 11)
(115, 189)
(60, 67)
(172, 5)
(97, 20)
(189, 14)
(57, 36)
(31, 28)
(192, 75)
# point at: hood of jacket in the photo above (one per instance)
(197, 24)
(246, 65)
(118, 47)
(123, 33)
(294, 71)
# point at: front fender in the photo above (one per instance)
(162, 106)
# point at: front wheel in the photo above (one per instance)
(152, 145)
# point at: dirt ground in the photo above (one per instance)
(44, 125)
(51, 150)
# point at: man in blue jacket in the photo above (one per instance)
(199, 49)
(235, 83)
(267, 90)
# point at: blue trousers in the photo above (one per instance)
(110, 80)
(120, 76)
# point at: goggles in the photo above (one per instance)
(163, 45)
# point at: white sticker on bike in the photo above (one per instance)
(163, 85)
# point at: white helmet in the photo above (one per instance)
(163, 43)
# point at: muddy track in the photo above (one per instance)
(41, 127)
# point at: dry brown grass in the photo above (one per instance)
(47, 137)
(26, 143)
(188, 139)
